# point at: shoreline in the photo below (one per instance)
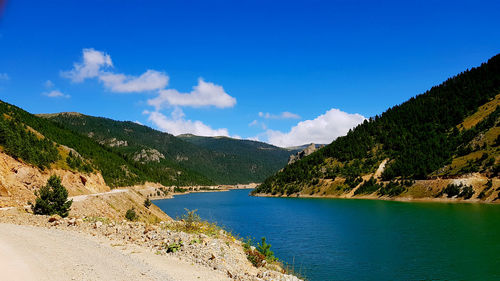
(172, 195)
(395, 199)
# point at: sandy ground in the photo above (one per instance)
(36, 253)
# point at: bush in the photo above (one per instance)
(452, 190)
(174, 247)
(147, 203)
(52, 199)
(191, 222)
(265, 249)
(460, 190)
(131, 215)
(256, 258)
(367, 187)
(191, 219)
(392, 189)
(467, 192)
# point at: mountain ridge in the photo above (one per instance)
(221, 160)
(419, 138)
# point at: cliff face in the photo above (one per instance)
(301, 154)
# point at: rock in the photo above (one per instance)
(97, 224)
(72, 222)
(301, 154)
(148, 155)
(83, 180)
(54, 218)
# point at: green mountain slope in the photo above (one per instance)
(268, 158)
(220, 160)
(40, 142)
(419, 139)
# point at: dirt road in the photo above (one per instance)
(36, 253)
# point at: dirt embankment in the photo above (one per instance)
(18, 181)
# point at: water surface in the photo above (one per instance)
(348, 239)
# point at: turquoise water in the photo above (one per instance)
(347, 239)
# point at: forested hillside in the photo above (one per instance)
(46, 144)
(448, 131)
(221, 160)
(270, 157)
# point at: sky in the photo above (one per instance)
(283, 72)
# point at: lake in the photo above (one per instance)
(351, 239)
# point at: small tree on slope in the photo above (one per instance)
(52, 199)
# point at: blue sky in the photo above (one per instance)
(313, 69)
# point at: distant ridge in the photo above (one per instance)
(216, 160)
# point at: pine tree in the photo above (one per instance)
(52, 199)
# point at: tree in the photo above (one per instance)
(131, 215)
(147, 203)
(52, 199)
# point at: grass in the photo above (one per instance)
(481, 113)
(191, 222)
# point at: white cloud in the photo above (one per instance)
(93, 62)
(323, 129)
(121, 83)
(203, 94)
(253, 123)
(55, 94)
(176, 124)
(139, 123)
(49, 84)
(283, 115)
(94, 65)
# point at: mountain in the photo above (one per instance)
(449, 132)
(215, 160)
(47, 145)
(270, 157)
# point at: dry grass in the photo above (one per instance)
(481, 113)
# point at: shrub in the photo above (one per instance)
(467, 192)
(253, 254)
(191, 219)
(191, 222)
(460, 190)
(392, 189)
(256, 258)
(489, 184)
(367, 187)
(352, 181)
(452, 190)
(131, 215)
(174, 247)
(147, 203)
(265, 249)
(179, 189)
(52, 199)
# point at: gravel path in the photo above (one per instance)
(83, 197)
(36, 253)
